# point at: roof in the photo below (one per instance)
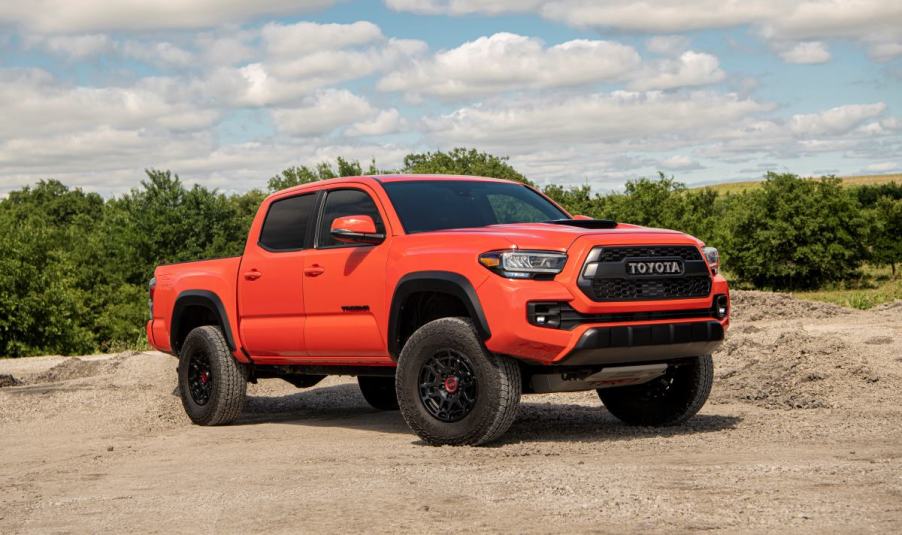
(386, 179)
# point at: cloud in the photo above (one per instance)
(834, 121)
(690, 69)
(668, 45)
(386, 122)
(589, 119)
(679, 163)
(67, 16)
(72, 46)
(305, 37)
(324, 113)
(506, 61)
(806, 53)
(875, 23)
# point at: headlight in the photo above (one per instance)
(524, 264)
(712, 257)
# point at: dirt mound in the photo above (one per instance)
(76, 368)
(894, 306)
(9, 380)
(796, 370)
(751, 305)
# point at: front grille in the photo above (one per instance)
(609, 280)
(635, 289)
(617, 254)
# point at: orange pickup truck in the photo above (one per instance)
(447, 297)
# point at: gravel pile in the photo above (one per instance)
(756, 306)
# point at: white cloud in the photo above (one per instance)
(668, 45)
(386, 122)
(506, 61)
(835, 120)
(157, 53)
(690, 69)
(323, 113)
(67, 16)
(876, 23)
(72, 46)
(590, 119)
(306, 37)
(679, 162)
(806, 53)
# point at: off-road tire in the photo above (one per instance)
(498, 385)
(379, 392)
(228, 377)
(668, 400)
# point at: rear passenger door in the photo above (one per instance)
(270, 279)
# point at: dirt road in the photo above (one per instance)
(803, 433)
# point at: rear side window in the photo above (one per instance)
(285, 226)
(345, 202)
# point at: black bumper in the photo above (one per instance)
(645, 343)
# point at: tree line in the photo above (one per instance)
(74, 266)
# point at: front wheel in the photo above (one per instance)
(212, 384)
(670, 399)
(451, 391)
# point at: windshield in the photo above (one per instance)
(445, 204)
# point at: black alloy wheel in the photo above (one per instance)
(448, 386)
(200, 377)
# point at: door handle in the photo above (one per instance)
(253, 275)
(314, 271)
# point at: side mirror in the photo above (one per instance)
(582, 218)
(356, 229)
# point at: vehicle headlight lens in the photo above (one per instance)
(523, 264)
(712, 257)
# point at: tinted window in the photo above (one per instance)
(445, 204)
(344, 202)
(285, 226)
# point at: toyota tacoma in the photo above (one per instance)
(447, 297)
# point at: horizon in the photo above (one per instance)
(573, 93)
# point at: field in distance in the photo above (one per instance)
(738, 187)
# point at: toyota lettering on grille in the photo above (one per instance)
(654, 267)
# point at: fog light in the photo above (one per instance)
(544, 314)
(721, 306)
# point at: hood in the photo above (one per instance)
(560, 237)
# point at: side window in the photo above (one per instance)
(286, 223)
(344, 202)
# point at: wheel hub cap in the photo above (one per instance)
(447, 385)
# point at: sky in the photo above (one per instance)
(227, 93)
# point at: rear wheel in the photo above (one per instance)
(670, 399)
(212, 384)
(379, 392)
(451, 391)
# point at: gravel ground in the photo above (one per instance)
(803, 432)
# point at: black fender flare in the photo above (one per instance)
(445, 282)
(202, 298)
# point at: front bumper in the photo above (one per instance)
(626, 344)
(505, 303)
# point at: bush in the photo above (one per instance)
(794, 233)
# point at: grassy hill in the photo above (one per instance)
(737, 187)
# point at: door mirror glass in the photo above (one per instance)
(356, 229)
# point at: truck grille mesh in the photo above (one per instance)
(634, 289)
(616, 254)
(640, 288)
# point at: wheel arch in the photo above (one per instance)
(445, 283)
(194, 308)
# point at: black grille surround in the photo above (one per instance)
(605, 277)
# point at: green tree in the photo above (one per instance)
(795, 233)
(295, 176)
(886, 237)
(461, 161)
